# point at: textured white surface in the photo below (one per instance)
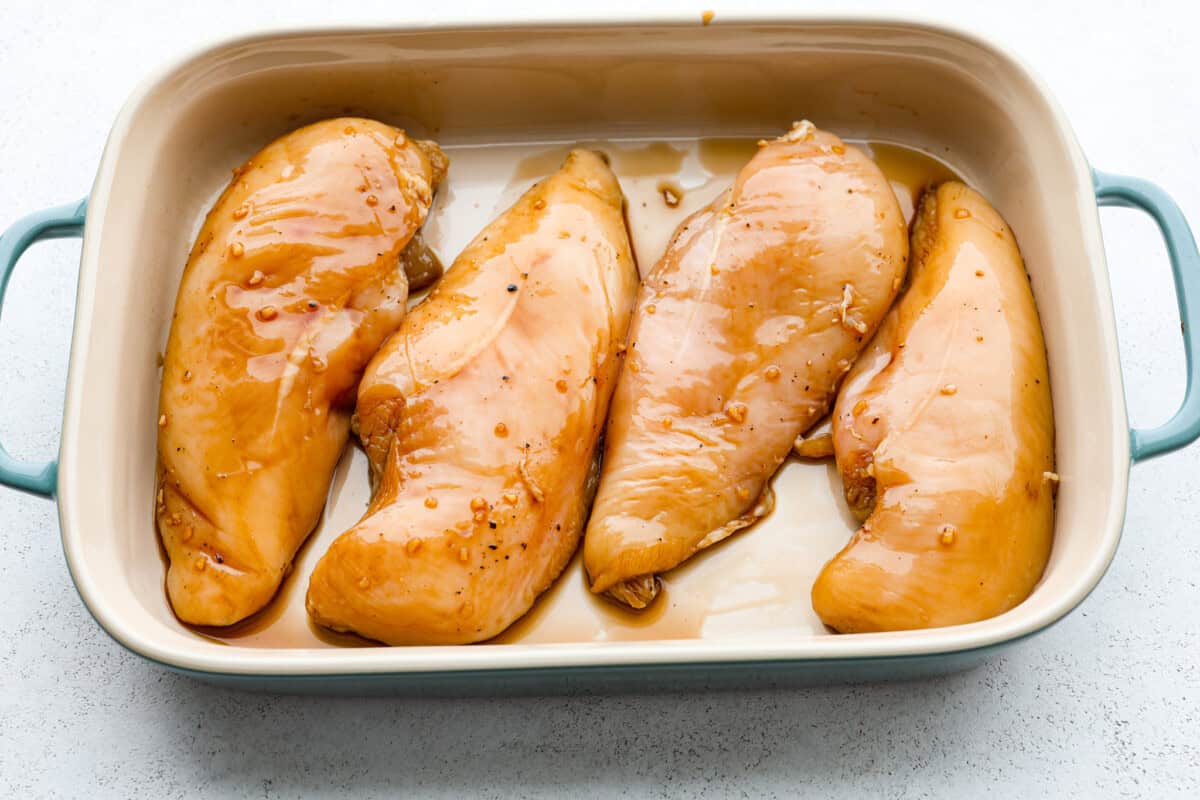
(1106, 703)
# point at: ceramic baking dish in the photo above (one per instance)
(493, 95)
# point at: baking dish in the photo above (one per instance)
(491, 94)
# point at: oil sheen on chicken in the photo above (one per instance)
(291, 287)
(944, 435)
(741, 334)
(481, 418)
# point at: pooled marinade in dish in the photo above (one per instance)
(944, 435)
(291, 287)
(480, 419)
(741, 334)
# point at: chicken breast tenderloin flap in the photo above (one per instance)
(944, 434)
(481, 418)
(741, 334)
(292, 285)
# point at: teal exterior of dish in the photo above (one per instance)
(721, 676)
(1180, 430)
(631, 678)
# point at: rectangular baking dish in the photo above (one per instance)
(487, 92)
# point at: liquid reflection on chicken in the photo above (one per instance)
(741, 335)
(481, 417)
(291, 287)
(944, 434)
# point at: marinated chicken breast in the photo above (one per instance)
(944, 434)
(741, 334)
(481, 417)
(291, 287)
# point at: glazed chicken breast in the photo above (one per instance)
(291, 287)
(741, 334)
(481, 417)
(944, 435)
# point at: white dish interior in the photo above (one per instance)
(493, 97)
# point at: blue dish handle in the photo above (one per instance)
(1119, 190)
(53, 223)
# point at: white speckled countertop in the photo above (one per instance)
(1107, 703)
